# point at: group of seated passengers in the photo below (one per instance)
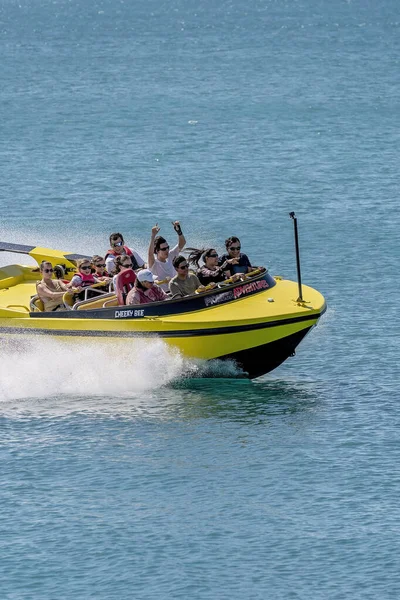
(167, 274)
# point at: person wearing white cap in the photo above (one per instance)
(145, 290)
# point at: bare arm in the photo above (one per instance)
(150, 256)
(44, 292)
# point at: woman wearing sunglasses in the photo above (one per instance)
(122, 263)
(99, 266)
(238, 262)
(51, 291)
(210, 272)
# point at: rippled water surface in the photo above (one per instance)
(124, 472)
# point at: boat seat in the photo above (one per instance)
(90, 303)
(111, 302)
(36, 304)
(124, 281)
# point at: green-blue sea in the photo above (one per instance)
(123, 474)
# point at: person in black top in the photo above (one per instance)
(238, 262)
(210, 272)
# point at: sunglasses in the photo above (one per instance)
(48, 270)
(234, 247)
(165, 248)
(213, 256)
(115, 244)
(183, 267)
(100, 266)
(85, 268)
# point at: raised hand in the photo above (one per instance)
(177, 226)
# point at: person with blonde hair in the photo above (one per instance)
(49, 290)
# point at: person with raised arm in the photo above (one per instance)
(160, 257)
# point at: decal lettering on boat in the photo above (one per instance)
(211, 300)
(248, 288)
(124, 314)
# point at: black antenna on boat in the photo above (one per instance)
(296, 240)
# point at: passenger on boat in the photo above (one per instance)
(184, 283)
(210, 272)
(51, 291)
(84, 277)
(117, 248)
(145, 290)
(160, 257)
(238, 262)
(100, 271)
(122, 263)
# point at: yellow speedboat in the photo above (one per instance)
(257, 322)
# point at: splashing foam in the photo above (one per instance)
(44, 367)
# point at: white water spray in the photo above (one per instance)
(44, 367)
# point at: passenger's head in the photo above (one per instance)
(84, 266)
(46, 269)
(210, 257)
(122, 263)
(99, 263)
(161, 247)
(117, 242)
(181, 266)
(232, 245)
(145, 279)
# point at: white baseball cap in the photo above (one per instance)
(145, 275)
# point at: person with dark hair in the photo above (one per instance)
(239, 263)
(184, 283)
(117, 248)
(100, 268)
(160, 257)
(145, 290)
(122, 263)
(210, 272)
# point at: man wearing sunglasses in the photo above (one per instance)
(238, 262)
(117, 248)
(184, 283)
(160, 256)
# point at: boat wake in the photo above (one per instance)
(45, 367)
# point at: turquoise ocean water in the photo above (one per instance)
(123, 474)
